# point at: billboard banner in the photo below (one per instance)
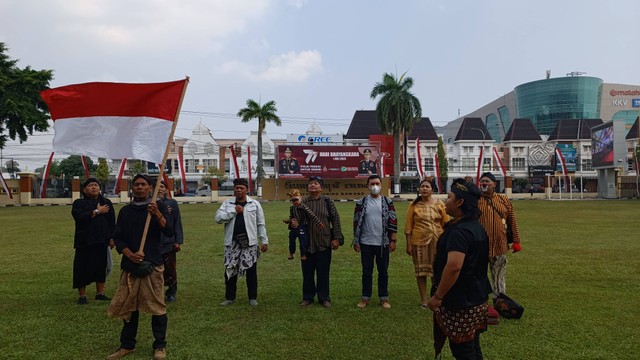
(569, 154)
(303, 161)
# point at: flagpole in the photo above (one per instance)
(162, 164)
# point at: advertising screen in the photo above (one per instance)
(602, 152)
(569, 154)
(303, 161)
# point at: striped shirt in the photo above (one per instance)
(494, 209)
(320, 239)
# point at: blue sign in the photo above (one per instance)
(635, 103)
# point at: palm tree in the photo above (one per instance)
(397, 110)
(265, 113)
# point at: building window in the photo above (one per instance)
(429, 164)
(467, 149)
(586, 165)
(411, 164)
(518, 150)
(209, 163)
(468, 164)
(518, 164)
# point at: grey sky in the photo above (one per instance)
(317, 59)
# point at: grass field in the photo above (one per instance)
(578, 277)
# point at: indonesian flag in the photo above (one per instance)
(437, 171)
(563, 165)
(480, 160)
(5, 186)
(235, 162)
(86, 168)
(120, 173)
(499, 162)
(419, 160)
(249, 167)
(45, 177)
(183, 179)
(114, 120)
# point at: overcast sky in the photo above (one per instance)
(318, 59)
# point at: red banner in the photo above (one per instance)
(327, 161)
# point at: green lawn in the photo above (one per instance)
(578, 277)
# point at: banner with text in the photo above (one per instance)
(303, 161)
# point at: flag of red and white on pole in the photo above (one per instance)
(437, 171)
(249, 168)
(479, 165)
(5, 186)
(183, 178)
(564, 166)
(86, 168)
(381, 164)
(499, 162)
(45, 177)
(419, 160)
(120, 173)
(235, 162)
(114, 120)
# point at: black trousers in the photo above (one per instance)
(130, 331)
(467, 351)
(231, 284)
(317, 264)
(380, 254)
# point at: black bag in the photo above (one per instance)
(144, 268)
(507, 307)
(242, 240)
(509, 235)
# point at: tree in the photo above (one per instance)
(443, 163)
(137, 168)
(214, 172)
(397, 110)
(265, 113)
(102, 171)
(72, 166)
(22, 110)
(11, 166)
(53, 171)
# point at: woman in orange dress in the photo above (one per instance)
(426, 217)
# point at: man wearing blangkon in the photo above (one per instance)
(496, 216)
(322, 241)
(244, 224)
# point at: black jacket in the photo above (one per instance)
(92, 230)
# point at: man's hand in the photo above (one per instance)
(176, 247)
(103, 209)
(335, 244)
(392, 246)
(263, 247)
(239, 209)
(356, 247)
(294, 223)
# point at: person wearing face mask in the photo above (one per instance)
(426, 217)
(375, 228)
(496, 216)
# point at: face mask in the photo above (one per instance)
(375, 189)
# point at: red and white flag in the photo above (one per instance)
(419, 160)
(437, 171)
(183, 179)
(499, 162)
(120, 173)
(235, 162)
(563, 165)
(5, 186)
(249, 167)
(114, 120)
(480, 163)
(86, 168)
(45, 178)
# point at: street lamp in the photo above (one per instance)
(484, 138)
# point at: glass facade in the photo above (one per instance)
(547, 101)
(493, 125)
(628, 116)
(505, 119)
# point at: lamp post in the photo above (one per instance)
(484, 138)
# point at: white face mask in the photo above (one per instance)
(375, 189)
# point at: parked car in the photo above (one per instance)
(204, 190)
(190, 193)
